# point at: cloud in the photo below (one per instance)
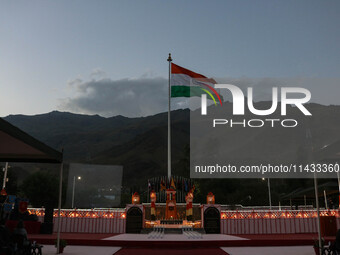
(74, 82)
(148, 95)
(98, 73)
(262, 87)
(127, 97)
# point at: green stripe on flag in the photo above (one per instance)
(188, 91)
(180, 91)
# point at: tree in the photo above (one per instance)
(42, 189)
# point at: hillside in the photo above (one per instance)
(140, 145)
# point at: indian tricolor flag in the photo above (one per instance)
(186, 83)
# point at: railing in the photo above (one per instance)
(86, 221)
(273, 222)
(273, 214)
(232, 222)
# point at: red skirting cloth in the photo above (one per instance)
(32, 227)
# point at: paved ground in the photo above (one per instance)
(81, 250)
(284, 236)
(291, 250)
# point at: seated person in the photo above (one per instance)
(20, 239)
(5, 239)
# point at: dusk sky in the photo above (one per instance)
(109, 57)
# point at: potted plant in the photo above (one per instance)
(62, 245)
(317, 247)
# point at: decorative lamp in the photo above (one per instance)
(153, 196)
(153, 204)
(135, 198)
(210, 198)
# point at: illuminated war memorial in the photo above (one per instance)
(163, 211)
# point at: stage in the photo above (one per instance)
(180, 241)
(89, 250)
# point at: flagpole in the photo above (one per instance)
(339, 186)
(317, 210)
(169, 126)
(59, 199)
(311, 159)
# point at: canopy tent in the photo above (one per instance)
(329, 153)
(298, 194)
(18, 146)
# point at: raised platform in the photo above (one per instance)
(180, 241)
(174, 230)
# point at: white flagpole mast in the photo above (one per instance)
(59, 201)
(311, 160)
(324, 194)
(270, 195)
(169, 126)
(5, 176)
(317, 210)
(339, 186)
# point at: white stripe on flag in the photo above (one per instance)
(186, 80)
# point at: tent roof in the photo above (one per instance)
(309, 192)
(329, 153)
(18, 146)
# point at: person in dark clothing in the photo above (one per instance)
(20, 240)
(335, 246)
(5, 239)
(20, 230)
(337, 241)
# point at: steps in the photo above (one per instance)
(173, 230)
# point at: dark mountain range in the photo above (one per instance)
(140, 145)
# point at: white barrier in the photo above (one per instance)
(272, 222)
(87, 221)
(232, 222)
(268, 226)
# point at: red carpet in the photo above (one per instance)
(141, 251)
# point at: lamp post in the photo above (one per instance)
(5, 169)
(73, 189)
(269, 193)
